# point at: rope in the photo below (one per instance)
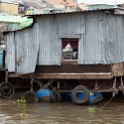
(106, 103)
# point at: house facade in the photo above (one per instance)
(80, 51)
(11, 8)
(65, 2)
(14, 8)
(93, 40)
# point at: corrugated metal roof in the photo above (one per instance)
(65, 13)
(22, 21)
(13, 19)
(72, 12)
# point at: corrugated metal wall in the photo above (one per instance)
(51, 28)
(50, 44)
(101, 40)
(10, 52)
(22, 50)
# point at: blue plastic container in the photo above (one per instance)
(43, 93)
(80, 95)
(68, 96)
(93, 96)
(1, 58)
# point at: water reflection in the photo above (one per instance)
(61, 113)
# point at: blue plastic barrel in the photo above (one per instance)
(43, 93)
(80, 95)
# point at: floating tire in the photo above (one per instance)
(55, 96)
(30, 96)
(10, 92)
(3, 89)
(85, 92)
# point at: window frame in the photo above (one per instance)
(70, 40)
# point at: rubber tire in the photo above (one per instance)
(34, 96)
(9, 96)
(86, 93)
(2, 86)
(55, 93)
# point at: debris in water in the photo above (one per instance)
(91, 109)
(20, 101)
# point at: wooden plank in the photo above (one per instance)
(73, 76)
(15, 75)
(118, 69)
(73, 67)
(64, 76)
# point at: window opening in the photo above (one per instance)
(69, 49)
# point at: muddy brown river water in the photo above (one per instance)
(61, 113)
